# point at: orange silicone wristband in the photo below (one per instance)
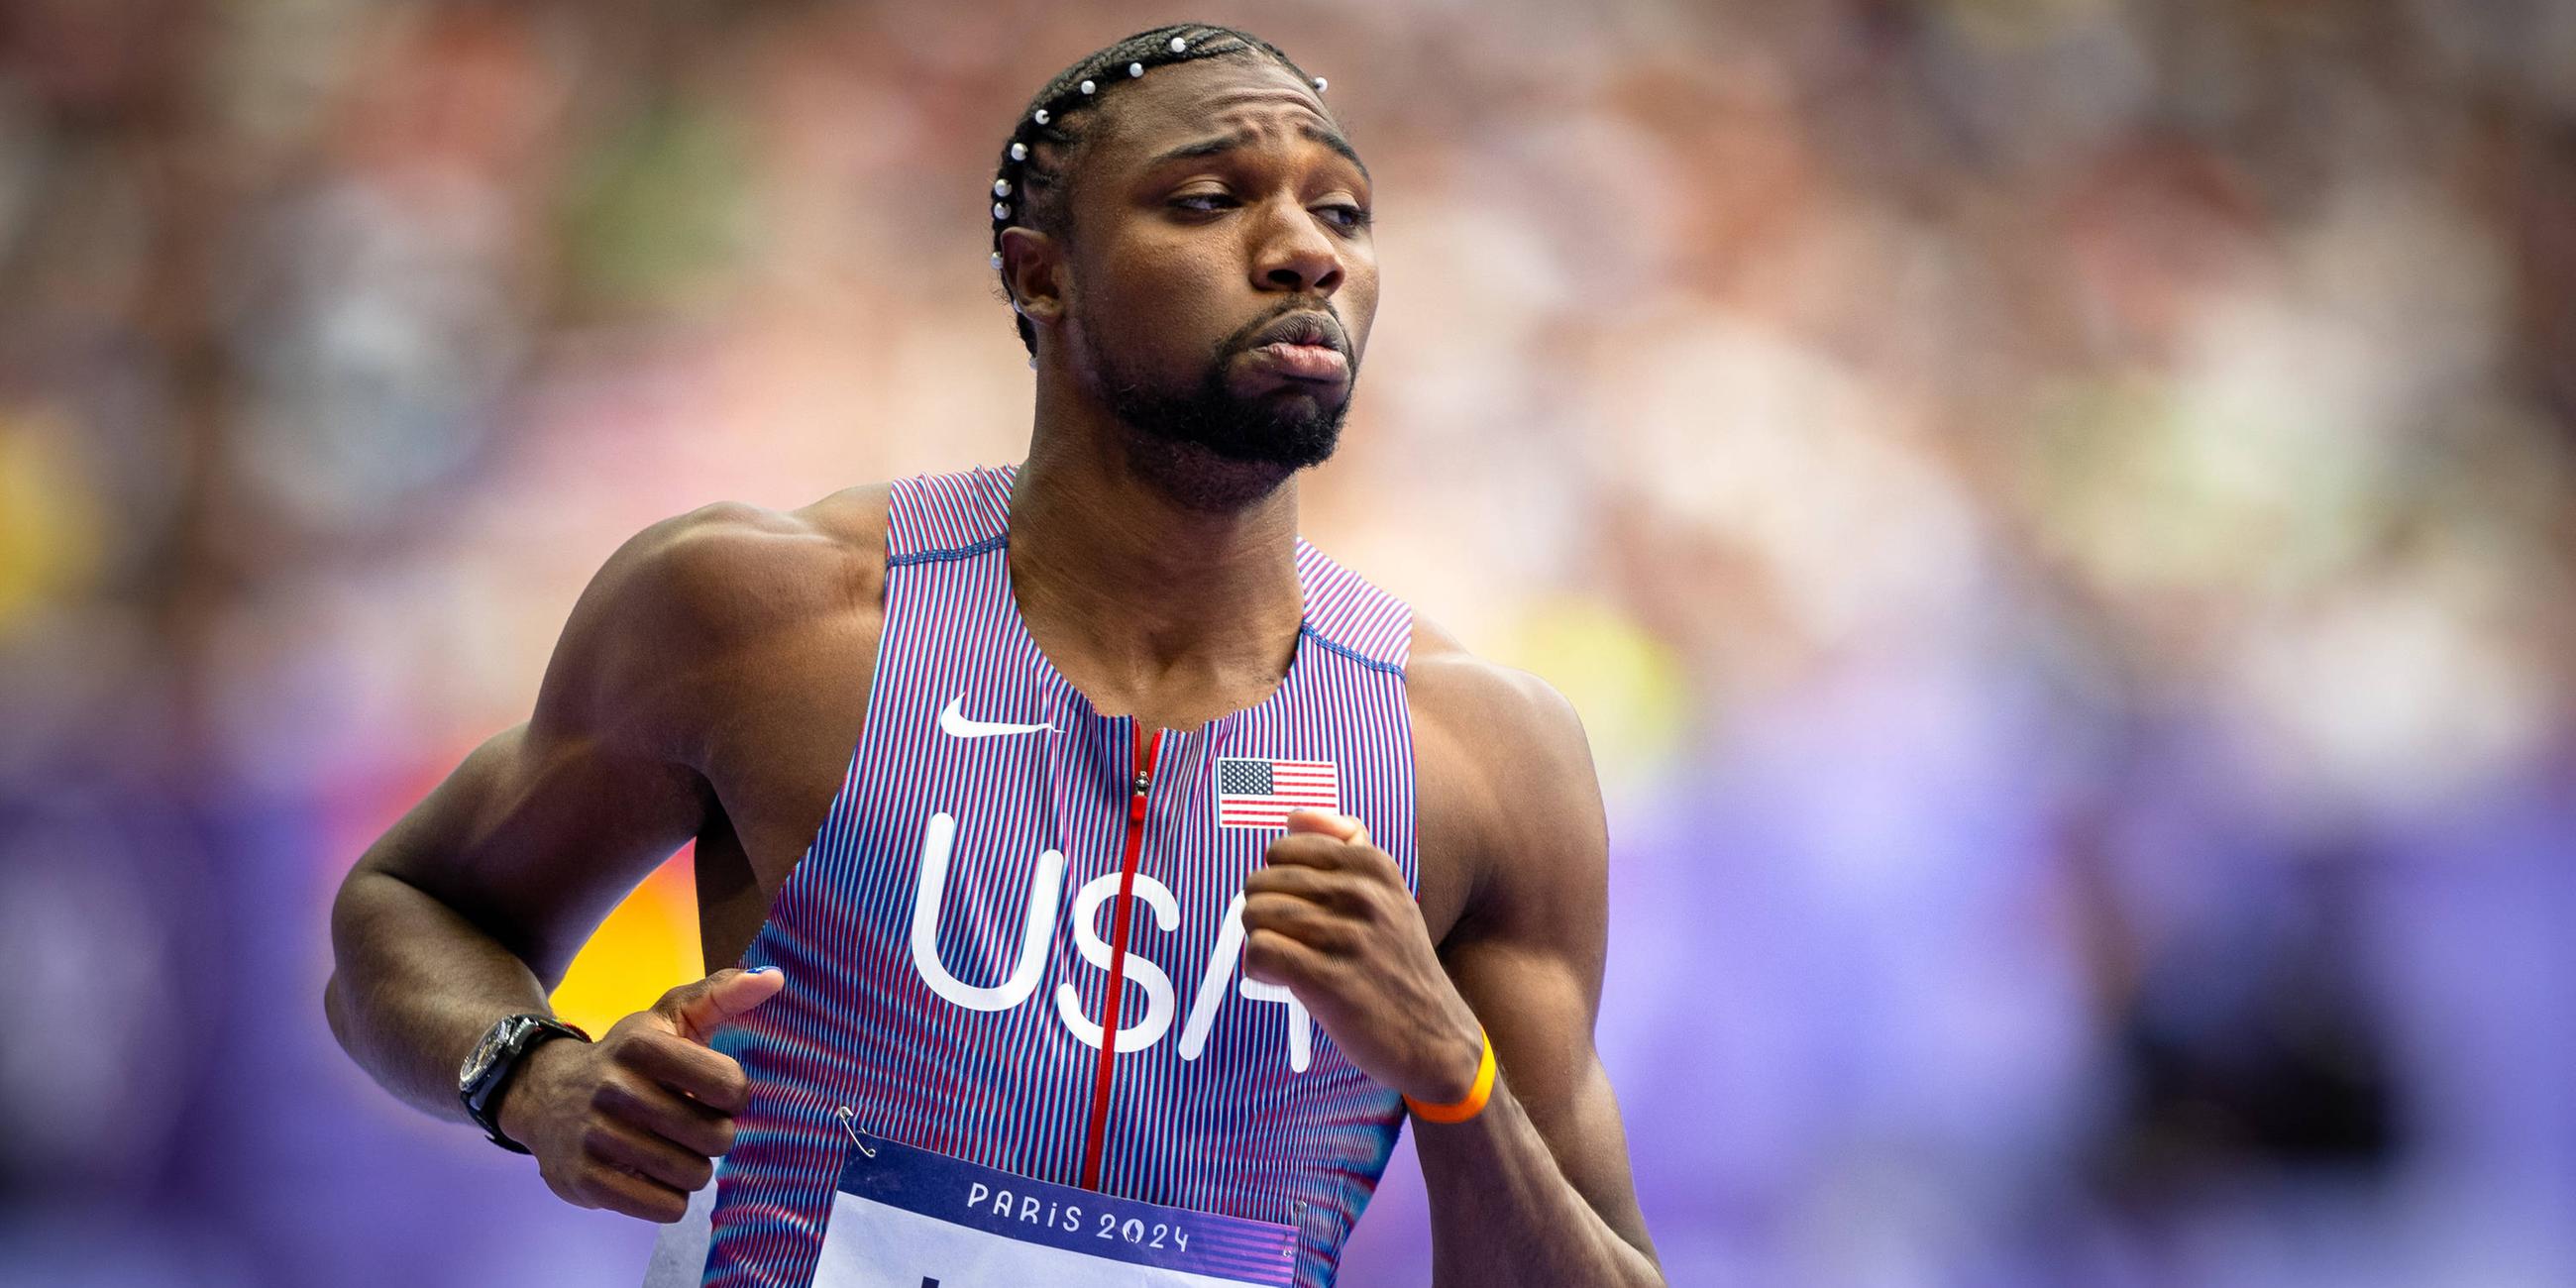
(1462, 1110)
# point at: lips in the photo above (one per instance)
(1302, 346)
(1301, 328)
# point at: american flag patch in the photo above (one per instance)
(1252, 792)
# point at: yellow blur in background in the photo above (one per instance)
(647, 945)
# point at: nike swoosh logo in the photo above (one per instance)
(954, 723)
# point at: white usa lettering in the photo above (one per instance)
(1037, 939)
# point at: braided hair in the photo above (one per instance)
(1033, 187)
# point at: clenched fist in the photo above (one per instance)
(1328, 917)
(632, 1122)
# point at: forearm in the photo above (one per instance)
(414, 986)
(1503, 1213)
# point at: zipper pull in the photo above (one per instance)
(1144, 776)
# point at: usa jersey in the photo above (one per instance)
(950, 937)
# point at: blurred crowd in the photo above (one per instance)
(2058, 515)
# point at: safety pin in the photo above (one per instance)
(849, 1124)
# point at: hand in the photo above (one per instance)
(1329, 919)
(632, 1121)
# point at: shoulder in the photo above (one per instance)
(1516, 724)
(730, 570)
(693, 597)
(1505, 779)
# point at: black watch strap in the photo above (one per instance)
(487, 1072)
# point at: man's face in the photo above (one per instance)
(1213, 209)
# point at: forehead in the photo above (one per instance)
(1182, 103)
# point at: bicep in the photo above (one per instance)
(1529, 954)
(543, 828)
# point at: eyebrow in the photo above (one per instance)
(1244, 138)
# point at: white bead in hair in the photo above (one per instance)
(1033, 362)
(1001, 187)
(1001, 210)
(1319, 84)
(1179, 44)
(997, 259)
(1019, 152)
(1135, 70)
(1041, 117)
(1088, 87)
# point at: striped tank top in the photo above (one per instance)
(952, 938)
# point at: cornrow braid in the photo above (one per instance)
(1033, 186)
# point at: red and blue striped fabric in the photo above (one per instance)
(1232, 1101)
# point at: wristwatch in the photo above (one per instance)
(486, 1073)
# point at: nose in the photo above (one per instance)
(1295, 254)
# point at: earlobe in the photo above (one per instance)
(1032, 270)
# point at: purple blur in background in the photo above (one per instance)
(2058, 517)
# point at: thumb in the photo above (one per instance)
(1342, 826)
(699, 1009)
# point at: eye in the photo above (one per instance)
(1220, 199)
(1351, 217)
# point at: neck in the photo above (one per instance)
(1148, 606)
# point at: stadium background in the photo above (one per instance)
(2057, 515)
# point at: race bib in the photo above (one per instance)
(909, 1218)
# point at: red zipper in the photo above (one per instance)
(1093, 1139)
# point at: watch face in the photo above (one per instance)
(495, 1040)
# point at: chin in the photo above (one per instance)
(1196, 477)
(1213, 445)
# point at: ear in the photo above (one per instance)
(1033, 267)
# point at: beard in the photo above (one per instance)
(1206, 446)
